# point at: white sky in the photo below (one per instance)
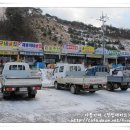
(118, 17)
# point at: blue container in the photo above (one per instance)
(40, 65)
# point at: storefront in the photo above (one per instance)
(52, 54)
(73, 58)
(124, 58)
(51, 58)
(30, 52)
(103, 52)
(8, 50)
(71, 53)
(93, 59)
(113, 56)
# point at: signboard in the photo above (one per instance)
(30, 45)
(94, 56)
(87, 49)
(9, 43)
(3, 52)
(52, 48)
(71, 48)
(113, 54)
(124, 53)
(100, 51)
(31, 53)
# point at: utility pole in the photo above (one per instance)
(103, 19)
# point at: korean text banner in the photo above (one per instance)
(71, 48)
(52, 48)
(9, 43)
(30, 45)
(87, 49)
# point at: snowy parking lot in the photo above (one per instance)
(52, 105)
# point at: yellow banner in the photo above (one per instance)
(51, 48)
(94, 56)
(8, 52)
(9, 43)
(87, 49)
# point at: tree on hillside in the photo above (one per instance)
(17, 25)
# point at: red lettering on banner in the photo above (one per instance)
(36, 45)
(40, 45)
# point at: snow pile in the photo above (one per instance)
(47, 77)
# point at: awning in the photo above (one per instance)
(74, 54)
(7, 52)
(32, 53)
(49, 53)
(111, 56)
(94, 55)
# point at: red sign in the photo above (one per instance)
(71, 48)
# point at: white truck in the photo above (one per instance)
(73, 77)
(119, 78)
(17, 78)
(116, 78)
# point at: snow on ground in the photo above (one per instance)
(52, 105)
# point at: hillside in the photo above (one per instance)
(51, 30)
(48, 31)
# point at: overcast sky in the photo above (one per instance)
(118, 17)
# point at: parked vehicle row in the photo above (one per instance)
(75, 77)
(17, 77)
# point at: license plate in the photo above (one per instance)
(22, 89)
(95, 86)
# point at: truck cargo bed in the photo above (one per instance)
(118, 79)
(25, 82)
(87, 80)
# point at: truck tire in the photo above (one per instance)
(124, 88)
(6, 96)
(31, 94)
(109, 87)
(56, 85)
(74, 89)
(91, 91)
